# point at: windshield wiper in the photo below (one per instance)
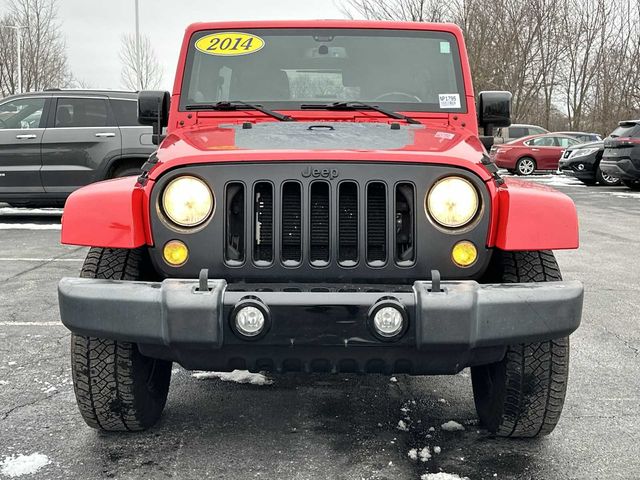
(361, 106)
(238, 105)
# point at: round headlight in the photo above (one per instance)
(453, 202)
(187, 201)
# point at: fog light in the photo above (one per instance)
(464, 254)
(249, 321)
(388, 321)
(175, 253)
(581, 166)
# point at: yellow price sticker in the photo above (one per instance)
(230, 44)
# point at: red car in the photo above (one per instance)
(536, 152)
(281, 226)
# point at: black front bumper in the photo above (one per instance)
(322, 328)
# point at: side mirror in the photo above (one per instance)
(153, 110)
(494, 110)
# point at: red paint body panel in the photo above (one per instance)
(105, 214)
(534, 217)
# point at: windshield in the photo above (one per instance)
(286, 68)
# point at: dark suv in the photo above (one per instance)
(54, 142)
(622, 153)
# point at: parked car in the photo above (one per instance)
(516, 131)
(281, 227)
(622, 153)
(54, 142)
(583, 136)
(583, 162)
(538, 152)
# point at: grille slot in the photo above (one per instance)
(235, 224)
(263, 223)
(376, 224)
(405, 224)
(291, 224)
(319, 223)
(348, 224)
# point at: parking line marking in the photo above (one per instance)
(25, 259)
(29, 324)
(30, 226)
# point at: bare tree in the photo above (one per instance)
(140, 67)
(569, 63)
(44, 59)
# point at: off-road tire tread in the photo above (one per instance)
(104, 371)
(535, 375)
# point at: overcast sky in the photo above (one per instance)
(93, 28)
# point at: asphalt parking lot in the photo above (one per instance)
(319, 427)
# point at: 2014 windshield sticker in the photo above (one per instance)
(230, 44)
(449, 100)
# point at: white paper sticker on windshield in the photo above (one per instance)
(445, 47)
(449, 100)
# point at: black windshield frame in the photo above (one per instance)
(294, 105)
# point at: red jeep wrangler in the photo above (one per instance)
(321, 202)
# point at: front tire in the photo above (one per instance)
(117, 388)
(605, 179)
(526, 166)
(523, 394)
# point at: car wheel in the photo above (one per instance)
(632, 184)
(126, 171)
(606, 179)
(117, 388)
(525, 166)
(523, 394)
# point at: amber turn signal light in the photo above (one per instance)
(175, 253)
(464, 254)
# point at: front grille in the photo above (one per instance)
(320, 223)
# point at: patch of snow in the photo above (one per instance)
(237, 376)
(405, 410)
(442, 476)
(29, 226)
(403, 426)
(393, 380)
(437, 449)
(432, 429)
(452, 426)
(413, 454)
(625, 194)
(11, 364)
(50, 390)
(18, 465)
(425, 454)
(4, 382)
(442, 400)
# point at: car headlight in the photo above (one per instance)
(187, 201)
(453, 202)
(583, 152)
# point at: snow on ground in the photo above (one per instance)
(18, 465)
(424, 454)
(413, 454)
(625, 194)
(442, 476)
(437, 449)
(29, 226)
(452, 426)
(402, 425)
(237, 376)
(393, 380)
(55, 212)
